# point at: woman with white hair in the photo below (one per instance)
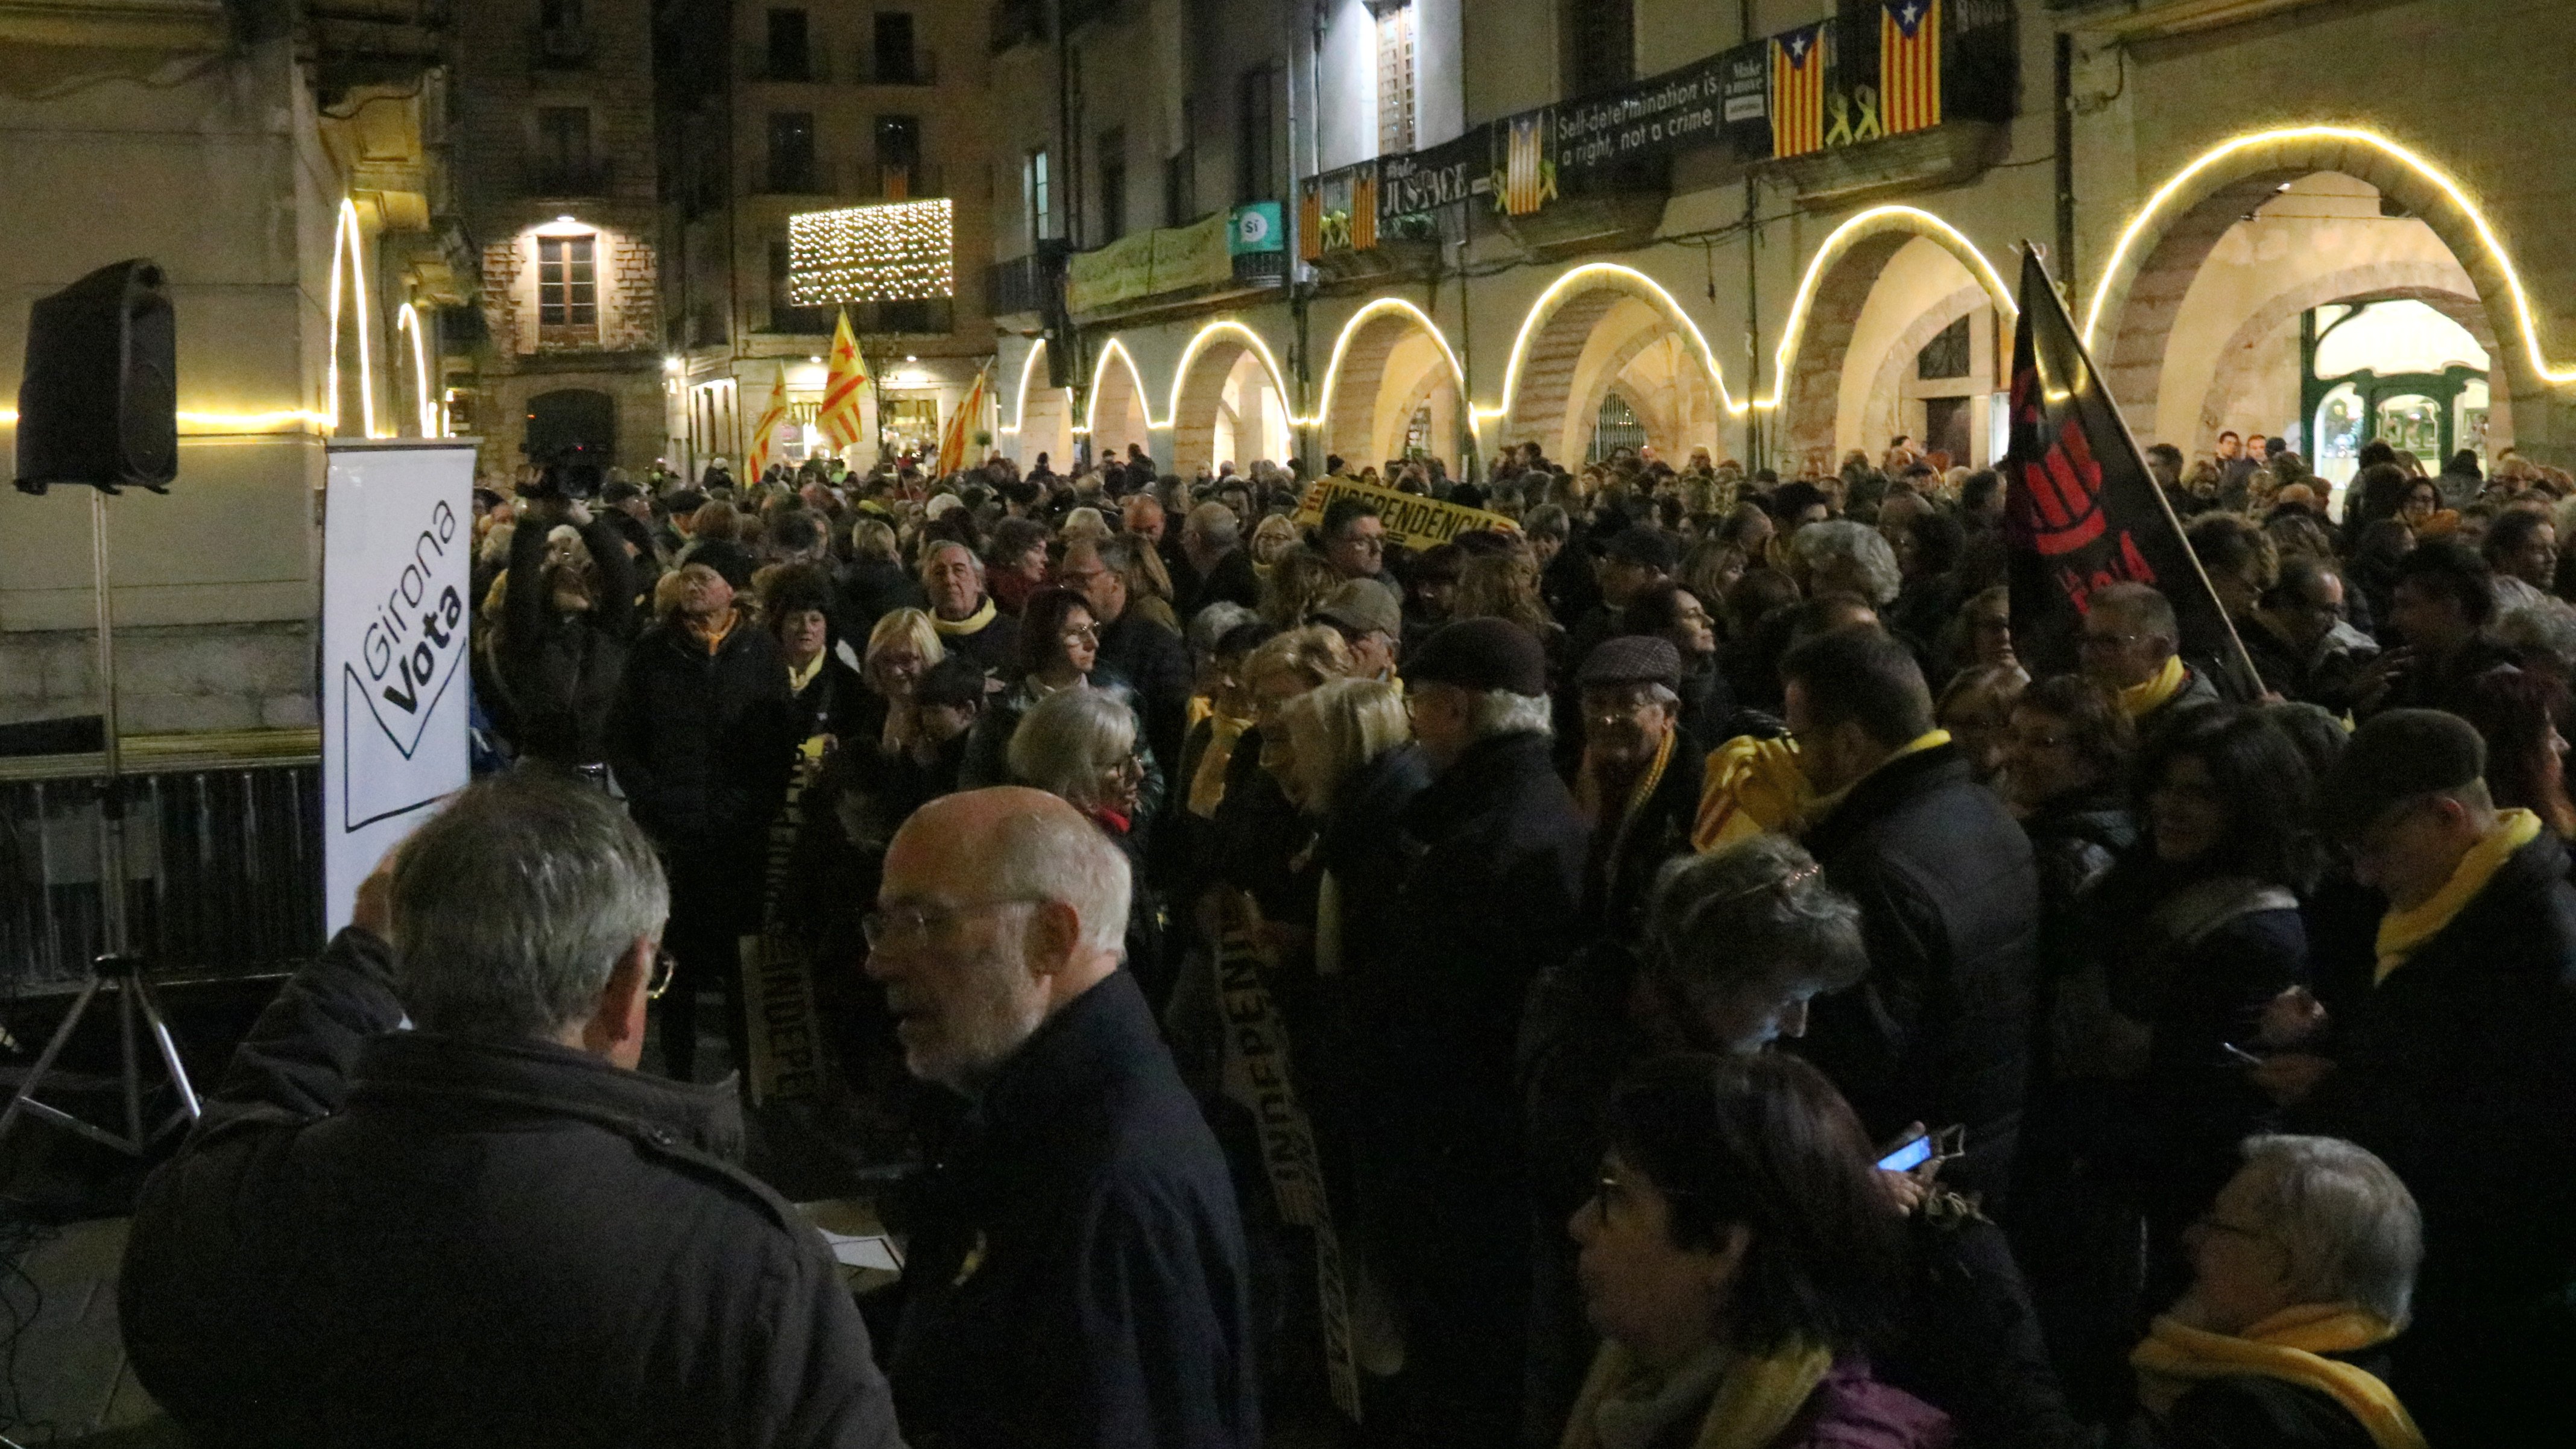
(1839, 556)
(1083, 745)
(2302, 1271)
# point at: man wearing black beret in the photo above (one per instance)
(1491, 898)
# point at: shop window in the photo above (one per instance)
(1615, 427)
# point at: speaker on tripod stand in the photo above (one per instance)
(98, 404)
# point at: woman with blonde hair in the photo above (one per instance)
(1273, 536)
(1257, 834)
(1299, 581)
(1351, 766)
(1506, 586)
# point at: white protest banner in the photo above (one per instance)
(397, 555)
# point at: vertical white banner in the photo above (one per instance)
(397, 618)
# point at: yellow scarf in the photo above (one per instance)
(1587, 785)
(2286, 1346)
(1753, 786)
(2140, 700)
(2401, 932)
(797, 678)
(1207, 786)
(971, 624)
(1753, 1404)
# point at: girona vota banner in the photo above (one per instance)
(2081, 512)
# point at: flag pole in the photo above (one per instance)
(2244, 658)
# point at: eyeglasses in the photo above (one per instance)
(901, 926)
(2106, 641)
(665, 968)
(1082, 633)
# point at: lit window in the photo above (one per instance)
(567, 282)
(1036, 197)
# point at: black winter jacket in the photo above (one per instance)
(1156, 665)
(380, 1238)
(2459, 1070)
(702, 745)
(1078, 1275)
(1939, 1031)
(868, 590)
(560, 671)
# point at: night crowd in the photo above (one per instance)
(1721, 998)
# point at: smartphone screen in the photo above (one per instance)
(1908, 1157)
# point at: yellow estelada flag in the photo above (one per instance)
(952, 443)
(764, 434)
(848, 372)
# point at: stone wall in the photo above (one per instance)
(176, 679)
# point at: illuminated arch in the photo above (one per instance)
(1878, 232)
(2250, 160)
(1020, 399)
(408, 320)
(1198, 384)
(1347, 404)
(1134, 389)
(348, 258)
(1567, 292)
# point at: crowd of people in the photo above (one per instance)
(1727, 1000)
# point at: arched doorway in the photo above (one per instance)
(1603, 327)
(1898, 338)
(1394, 389)
(1229, 405)
(1116, 417)
(1042, 416)
(572, 424)
(2223, 273)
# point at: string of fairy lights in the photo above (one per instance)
(895, 251)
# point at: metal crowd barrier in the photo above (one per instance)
(223, 857)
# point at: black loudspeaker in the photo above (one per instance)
(99, 401)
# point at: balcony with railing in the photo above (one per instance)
(569, 179)
(917, 66)
(1033, 284)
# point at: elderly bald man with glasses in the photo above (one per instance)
(1077, 1273)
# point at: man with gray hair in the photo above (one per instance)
(1077, 1272)
(489, 1229)
(1210, 566)
(2302, 1271)
(1493, 897)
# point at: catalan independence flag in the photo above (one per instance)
(1798, 91)
(1364, 211)
(1310, 221)
(1909, 65)
(1522, 193)
(847, 373)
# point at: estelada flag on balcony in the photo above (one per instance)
(2081, 512)
(961, 426)
(1909, 65)
(1529, 176)
(1798, 91)
(764, 433)
(842, 379)
(1310, 220)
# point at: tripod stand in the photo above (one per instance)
(117, 966)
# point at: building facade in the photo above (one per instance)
(1785, 230)
(557, 183)
(287, 170)
(772, 110)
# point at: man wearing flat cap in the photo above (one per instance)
(1639, 785)
(2455, 1063)
(1490, 899)
(1369, 620)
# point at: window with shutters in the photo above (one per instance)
(1395, 79)
(567, 289)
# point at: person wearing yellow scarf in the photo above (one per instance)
(1750, 1400)
(973, 623)
(2137, 701)
(2402, 931)
(2306, 1258)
